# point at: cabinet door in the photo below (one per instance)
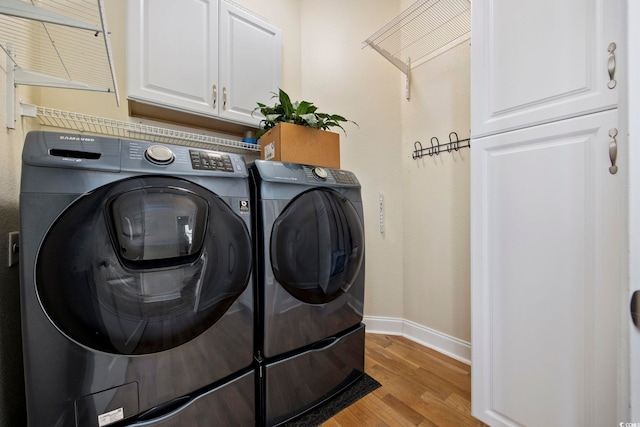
(534, 62)
(250, 63)
(547, 275)
(172, 53)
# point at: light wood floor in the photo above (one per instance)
(420, 387)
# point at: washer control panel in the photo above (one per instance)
(293, 173)
(77, 151)
(344, 177)
(208, 160)
(178, 159)
(338, 176)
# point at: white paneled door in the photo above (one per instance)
(172, 53)
(633, 113)
(251, 64)
(548, 257)
(539, 61)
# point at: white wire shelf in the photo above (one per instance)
(103, 126)
(421, 32)
(58, 43)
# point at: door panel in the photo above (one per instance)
(633, 112)
(167, 64)
(317, 246)
(250, 65)
(547, 275)
(143, 265)
(536, 62)
(295, 253)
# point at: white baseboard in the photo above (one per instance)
(443, 343)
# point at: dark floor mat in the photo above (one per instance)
(328, 409)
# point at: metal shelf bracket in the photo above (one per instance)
(421, 32)
(54, 45)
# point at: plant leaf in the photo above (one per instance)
(337, 118)
(303, 108)
(310, 119)
(285, 101)
(272, 117)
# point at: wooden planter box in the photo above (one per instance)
(287, 142)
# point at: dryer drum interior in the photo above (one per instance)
(142, 265)
(317, 246)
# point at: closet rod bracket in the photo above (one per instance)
(11, 88)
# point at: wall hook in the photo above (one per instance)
(454, 144)
(435, 150)
(417, 150)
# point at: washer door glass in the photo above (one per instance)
(142, 265)
(317, 246)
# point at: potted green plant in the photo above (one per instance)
(303, 113)
(296, 132)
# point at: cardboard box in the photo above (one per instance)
(287, 142)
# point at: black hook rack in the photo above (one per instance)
(437, 148)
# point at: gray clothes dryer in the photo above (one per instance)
(309, 274)
(137, 307)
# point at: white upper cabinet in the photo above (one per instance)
(201, 56)
(538, 61)
(252, 68)
(172, 53)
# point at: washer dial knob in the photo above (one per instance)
(320, 173)
(159, 155)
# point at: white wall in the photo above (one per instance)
(436, 197)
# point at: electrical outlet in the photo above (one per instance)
(14, 246)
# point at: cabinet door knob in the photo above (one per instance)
(224, 98)
(215, 96)
(613, 150)
(611, 65)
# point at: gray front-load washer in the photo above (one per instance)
(309, 275)
(137, 307)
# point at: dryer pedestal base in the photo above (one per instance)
(302, 381)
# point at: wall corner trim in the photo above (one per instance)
(441, 342)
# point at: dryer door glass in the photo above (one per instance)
(317, 246)
(143, 265)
